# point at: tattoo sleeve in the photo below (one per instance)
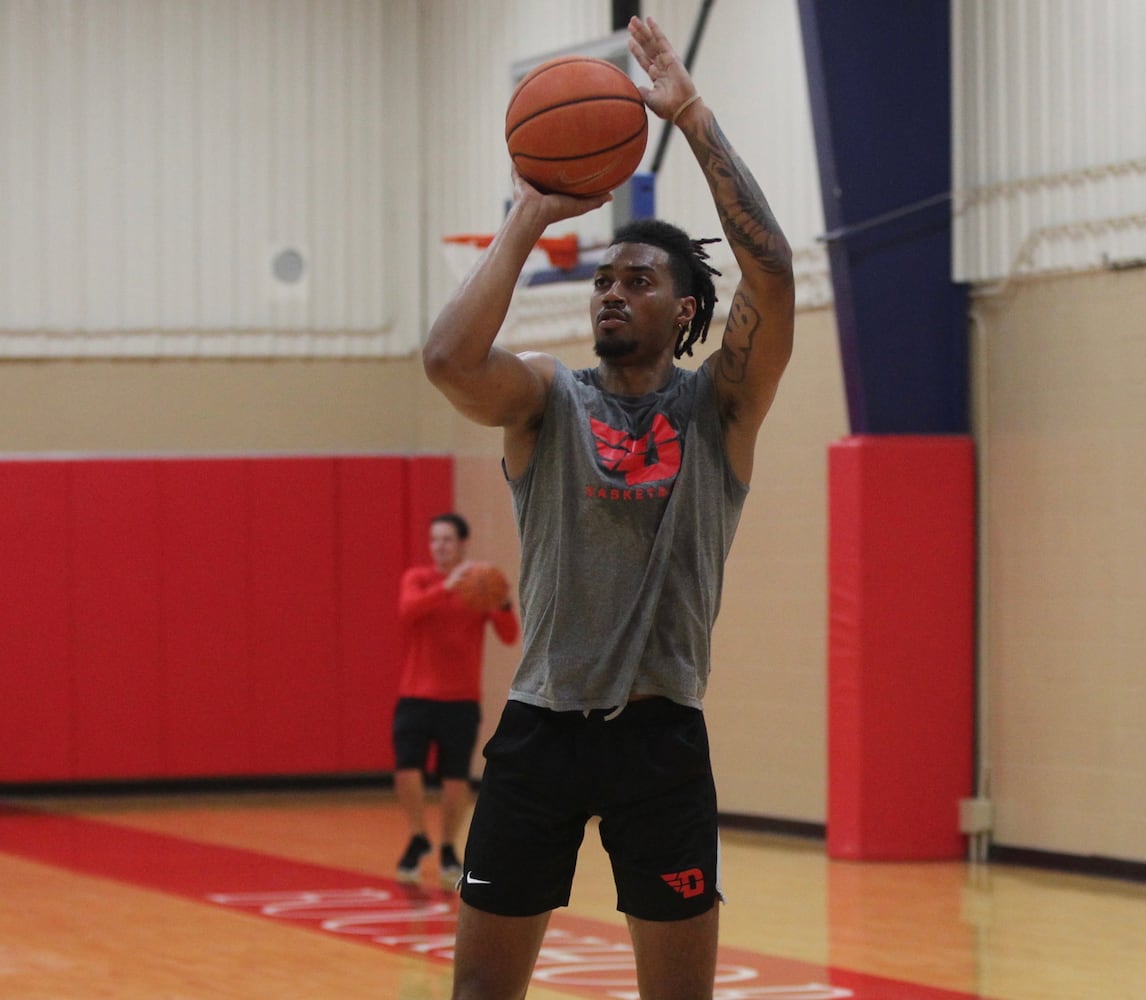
(739, 334)
(750, 340)
(744, 212)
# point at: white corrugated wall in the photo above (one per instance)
(1049, 136)
(156, 156)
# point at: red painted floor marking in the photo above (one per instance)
(579, 956)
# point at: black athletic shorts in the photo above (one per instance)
(451, 726)
(646, 773)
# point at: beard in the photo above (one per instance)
(614, 348)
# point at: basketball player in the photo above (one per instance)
(439, 692)
(627, 481)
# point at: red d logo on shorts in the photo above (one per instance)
(688, 883)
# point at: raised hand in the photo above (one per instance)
(672, 86)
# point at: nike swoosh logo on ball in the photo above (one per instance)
(564, 180)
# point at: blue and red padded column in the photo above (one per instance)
(901, 489)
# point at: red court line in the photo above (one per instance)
(580, 956)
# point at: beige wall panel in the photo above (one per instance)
(1061, 415)
(216, 407)
(766, 699)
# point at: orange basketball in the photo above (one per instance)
(576, 125)
(483, 587)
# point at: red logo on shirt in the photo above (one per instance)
(656, 456)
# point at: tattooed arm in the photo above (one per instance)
(758, 336)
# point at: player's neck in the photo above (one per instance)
(636, 379)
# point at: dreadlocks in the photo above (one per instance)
(691, 275)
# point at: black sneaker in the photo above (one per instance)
(450, 866)
(409, 863)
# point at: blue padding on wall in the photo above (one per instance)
(643, 195)
(879, 80)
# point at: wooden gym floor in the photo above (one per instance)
(275, 896)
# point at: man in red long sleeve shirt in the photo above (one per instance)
(439, 692)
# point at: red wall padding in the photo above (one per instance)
(36, 675)
(293, 615)
(205, 555)
(900, 645)
(191, 618)
(115, 576)
(371, 542)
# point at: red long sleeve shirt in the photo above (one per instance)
(444, 638)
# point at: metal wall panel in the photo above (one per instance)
(156, 155)
(1049, 136)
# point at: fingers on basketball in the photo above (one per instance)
(484, 587)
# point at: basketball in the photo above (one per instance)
(483, 587)
(576, 125)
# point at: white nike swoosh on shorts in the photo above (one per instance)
(470, 880)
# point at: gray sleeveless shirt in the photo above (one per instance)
(626, 514)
